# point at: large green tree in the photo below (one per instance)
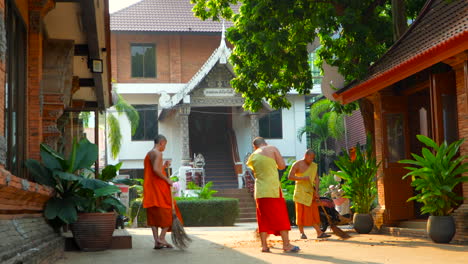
(271, 38)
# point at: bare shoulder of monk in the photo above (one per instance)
(269, 151)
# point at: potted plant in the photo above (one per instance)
(359, 174)
(434, 175)
(79, 196)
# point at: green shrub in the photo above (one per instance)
(217, 211)
(287, 185)
(213, 212)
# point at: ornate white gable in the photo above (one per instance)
(221, 55)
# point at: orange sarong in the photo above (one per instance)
(161, 217)
(157, 198)
(307, 215)
(272, 215)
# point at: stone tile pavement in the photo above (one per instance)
(237, 244)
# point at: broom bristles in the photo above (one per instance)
(337, 231)
(180, 239)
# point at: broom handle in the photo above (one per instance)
(172, 199)
(325, 211)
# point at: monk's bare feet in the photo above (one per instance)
(165, 244)
(158, 245)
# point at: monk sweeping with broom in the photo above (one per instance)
(161, 210)
(306, 196)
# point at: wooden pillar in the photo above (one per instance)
(379, 213)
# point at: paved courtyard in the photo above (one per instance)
(238, 245)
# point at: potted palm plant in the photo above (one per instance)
(434, 175)
(78, 196)
(359, 174)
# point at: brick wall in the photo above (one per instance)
(25, 235)
(178, 57)
(461, 214)
(2, 78)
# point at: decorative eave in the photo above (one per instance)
(221, 55)
(415, 64)
(414, 51)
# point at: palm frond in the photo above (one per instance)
(115, 136)
(319, 107)
(132, 114)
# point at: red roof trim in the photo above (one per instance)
(421, 61)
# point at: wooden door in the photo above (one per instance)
(396, 147)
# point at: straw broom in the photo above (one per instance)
(180, 239)
(336, 230)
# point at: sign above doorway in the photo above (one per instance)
(219, 92)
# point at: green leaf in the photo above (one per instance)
(109, 172)
(85, 156)
(93, 184)
(428, 142)
(67, 176)
(107, 190)
(115, 203)
(41, 174)
(52, 208)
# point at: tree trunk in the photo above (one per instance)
(399, 18)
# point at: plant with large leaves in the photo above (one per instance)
(359, 175)
(74, 190)
(435, 174)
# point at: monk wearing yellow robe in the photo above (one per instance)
(272, 214)
(306, 195)
(157, 197)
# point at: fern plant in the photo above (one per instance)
(359, 175)
(435, 174)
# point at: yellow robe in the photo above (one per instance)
(304, 190)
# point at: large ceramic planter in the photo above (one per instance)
(363, 223)
(93, 231)
(441, 229)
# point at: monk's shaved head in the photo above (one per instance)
(259, 141)
(309, 151)
(159, 138)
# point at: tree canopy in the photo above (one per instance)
(271, 39)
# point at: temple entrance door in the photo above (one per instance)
(208, 128)
(396, 147)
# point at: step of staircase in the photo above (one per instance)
(414, 224)
(247, 207)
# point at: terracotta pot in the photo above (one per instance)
(93, 231)
(441, 229)
(363, 223)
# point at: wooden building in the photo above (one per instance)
(53, 64)
(419, 86)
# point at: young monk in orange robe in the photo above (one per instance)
(306, 195)
(272, 214)
(157, 197)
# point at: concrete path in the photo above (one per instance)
(237, 245)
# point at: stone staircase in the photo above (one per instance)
(219, 169)
(247, 210)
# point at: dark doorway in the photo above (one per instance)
(420, 123)
(208, 127)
